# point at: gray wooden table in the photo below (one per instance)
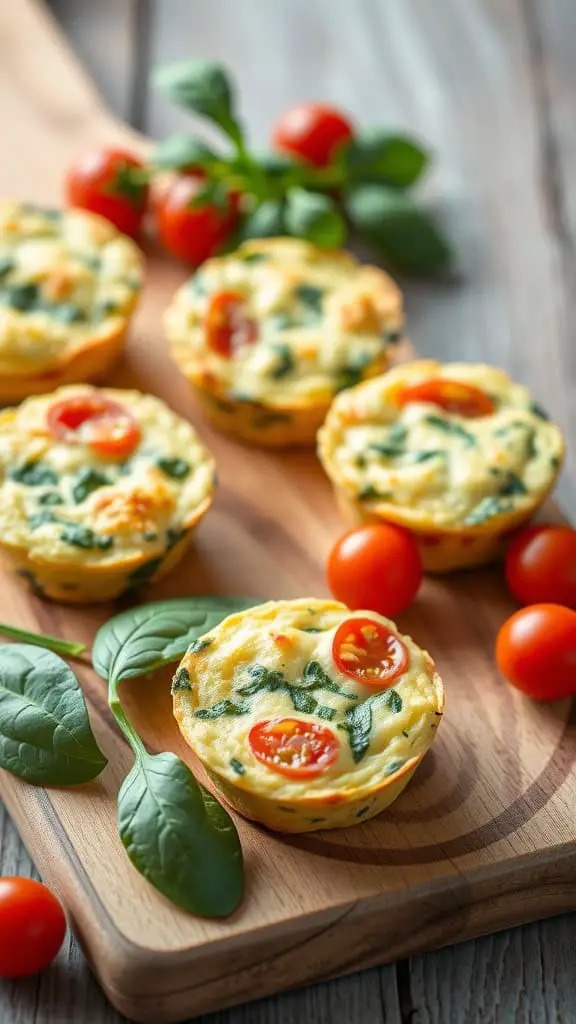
(492, 85)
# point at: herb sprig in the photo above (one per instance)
(373, 174)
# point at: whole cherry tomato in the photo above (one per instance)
(32, 927)
(110, 182)
(193, 233)
(294, 747)
(377, 566)
(312, 131)
(452, 395)
(106, 426)
(536, 651)
(369, 652)
(226, 324)
(541, 565)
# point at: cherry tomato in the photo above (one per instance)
(32, 927)
(541, 566)
(292, 747)
(110, 182)
(377, 567)
(193, 233)
(451, 395)
(369, 652)
(312, 131)
(106, 426)
(536, 651)
(226, 325)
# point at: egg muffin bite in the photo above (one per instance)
(458, 453)
(267, 335)
(305, 715)
(99, 491)
(69, 282)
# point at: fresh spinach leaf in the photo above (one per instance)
(50, 498)
(6, 266)
(85, 482)
(511, 484)
(179, 837)
(80, 536)
(40, 518)
(451, 427)
(359, 719)
(181, 681)
(143, 638)
(223, 707)
(146, 571)
(315, 217)
(45, 734)
(34, 474)
(312, 297)
(370, 493)
(175, 468)
(284, 362)
(486, 509)
(237, 766)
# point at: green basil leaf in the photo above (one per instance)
(401, 233)
(201, 86)
(142, 639)
(315, 217)
(265, 221)
(182, 152)
(45, 734)
(179, 837)
(378, 154)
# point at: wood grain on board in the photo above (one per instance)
(483, 837)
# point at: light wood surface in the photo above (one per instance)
(515, 245)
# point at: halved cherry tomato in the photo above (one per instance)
(377, 566)
(32, 927)
(369, 652)
(451, 395)
(112, 183)
(536, 651)
(106, 426)
(541, 566)
(312, 131)
(293, 747)
(190, 232)
(226, 325)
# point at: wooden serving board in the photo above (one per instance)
(484, 836)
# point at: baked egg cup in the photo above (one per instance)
(268, 334)
(69, 282)
(292, 673)
(457, 453)
(100, 490)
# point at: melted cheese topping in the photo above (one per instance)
(66, 503)
(66, 278)
(322, 321)
(287, 636)
(438, 467)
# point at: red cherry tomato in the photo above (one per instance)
(193, 233)
(293, 747)
(32, 927)
(110, 182)
(106, 426)
(541, 566)
(451, 395)
(226, 325)
(369, 652)
(312, 131)
(536, 651)
(377, 567)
